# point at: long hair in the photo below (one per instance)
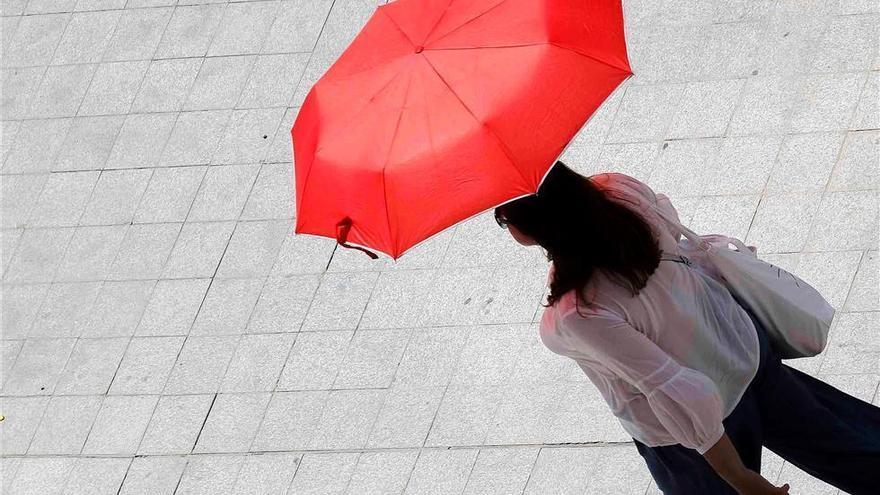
(583, 231)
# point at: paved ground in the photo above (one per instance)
(163, 331)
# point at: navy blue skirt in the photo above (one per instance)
(825, 432)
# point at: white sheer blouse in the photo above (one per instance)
(671, 362)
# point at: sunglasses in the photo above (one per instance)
(502, 222)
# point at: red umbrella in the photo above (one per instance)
(439, 110)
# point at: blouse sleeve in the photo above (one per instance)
(686, 402)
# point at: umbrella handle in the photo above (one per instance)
(342, 228)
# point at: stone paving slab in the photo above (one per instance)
(163, 332)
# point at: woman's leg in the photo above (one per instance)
(825, 432)
(678, 470)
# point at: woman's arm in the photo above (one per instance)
(724, 458)
(685, 401)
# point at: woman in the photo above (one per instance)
(685, 367)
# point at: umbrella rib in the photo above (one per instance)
(466, 22)
(442, 15)
(391, 19)
(553, 43)
(485, 46)
(352, 121)
(486, 126)
(427, 115)
(388, 158)
(588, 56)
(380, 64)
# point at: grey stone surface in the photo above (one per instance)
(227, 307)
(175, 424)
(18, 429)
(147, 363)
(149, 475)
(257, 363)
(120, 425)
(97, 475)
(164, 332)
(118, 308)
(144, 251)
(232, 423)
(65, 425)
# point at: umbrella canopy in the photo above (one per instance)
(439, 110)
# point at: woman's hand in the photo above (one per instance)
(724, 458)
(752, 483)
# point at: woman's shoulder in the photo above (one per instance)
(626, 183)
(642, 198)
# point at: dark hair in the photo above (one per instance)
(583, 231)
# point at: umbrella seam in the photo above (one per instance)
(387, 61)
(482, 123)
(442, 15)
(553, 43)
(367, 69)
(466, 22)
(411, 42)
(388, 158)
(430, 32)
(352, 120)
(486, 46)
(480, 15)
(588, 56)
